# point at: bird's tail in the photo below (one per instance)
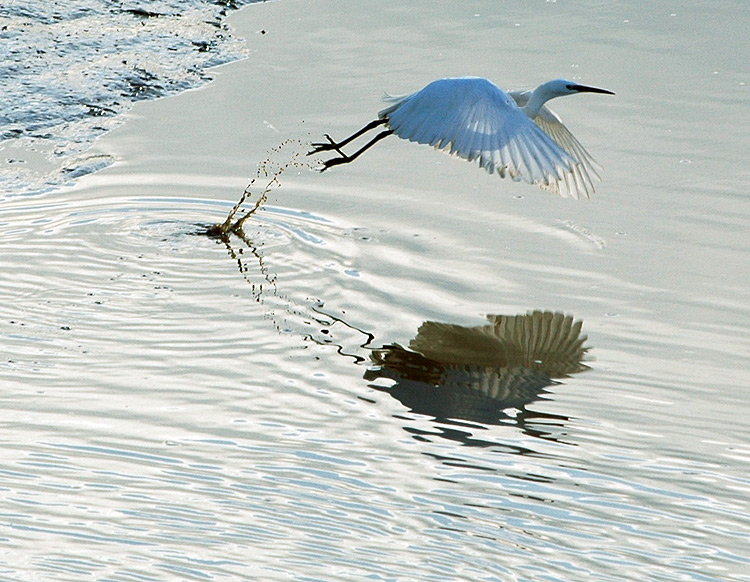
(396, 101)
(394, 98)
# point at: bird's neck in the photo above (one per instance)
(538, 98)
(534, 104)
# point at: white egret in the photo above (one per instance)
(514, 134)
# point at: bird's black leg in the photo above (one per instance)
(336, 146)
(344, 159)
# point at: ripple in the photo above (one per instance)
(170, 396)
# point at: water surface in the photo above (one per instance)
(185, 407)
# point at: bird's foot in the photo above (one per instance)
(335, 162)
(324, 147)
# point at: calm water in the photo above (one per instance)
(178, 407)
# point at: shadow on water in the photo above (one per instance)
(464, 378)
(483, 375)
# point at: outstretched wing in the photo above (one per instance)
(586, 168)
(472, 118)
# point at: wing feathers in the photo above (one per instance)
(586, 169)
(473, 119)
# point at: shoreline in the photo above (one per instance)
(92, 89)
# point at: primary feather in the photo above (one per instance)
(586, 167)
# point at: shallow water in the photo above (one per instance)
(186, 407)
(70, 69)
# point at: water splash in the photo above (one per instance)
(270, 170)
(306, 317)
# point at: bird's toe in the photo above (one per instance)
(324, 146)
(318, 147)
(334, 162)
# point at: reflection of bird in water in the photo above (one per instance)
(474, 373)
(514, 134)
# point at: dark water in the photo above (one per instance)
(405, 369)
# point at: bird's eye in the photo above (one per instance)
(569, 87)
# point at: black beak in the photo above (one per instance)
(585, 89)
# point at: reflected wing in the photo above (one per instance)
(465, 391)
(550, 341)
(509, 387)
(543, 340)
(475, 120)
(580, 178)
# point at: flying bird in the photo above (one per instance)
(512, 133)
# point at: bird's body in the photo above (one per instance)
(512, 133)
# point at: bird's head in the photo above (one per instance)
(556, 88)
(562, 87)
